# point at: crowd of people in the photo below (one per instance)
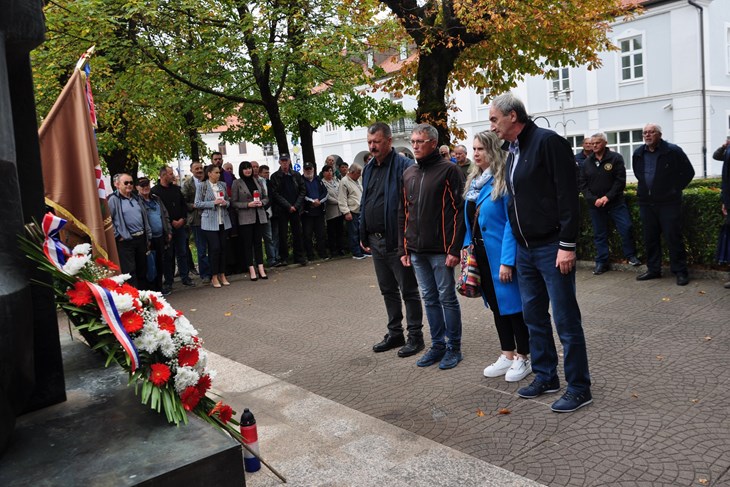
(515, 205)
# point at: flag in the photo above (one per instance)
(72, 177)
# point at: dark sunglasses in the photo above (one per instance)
(127, 183)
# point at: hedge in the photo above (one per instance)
(701, 222)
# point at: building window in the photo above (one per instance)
(727, 48)
(242, 147)
(222, 148)
(625, 142)
(403, 52)
(329, 127)
(576, 142)
(560, 80)
(632, 58)
(370, 59)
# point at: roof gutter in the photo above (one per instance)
(703, 81)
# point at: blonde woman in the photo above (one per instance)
(488, 228)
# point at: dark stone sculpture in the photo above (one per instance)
(31, 369)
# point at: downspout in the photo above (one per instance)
(704, 87)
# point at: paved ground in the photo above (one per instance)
(659, 357)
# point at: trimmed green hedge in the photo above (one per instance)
(701, 222)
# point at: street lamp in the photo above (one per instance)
(535, 119)
(562, 96)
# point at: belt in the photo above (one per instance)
(137, 234)
(379, 236)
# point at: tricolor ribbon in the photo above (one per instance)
(110, 313)
(55, 251)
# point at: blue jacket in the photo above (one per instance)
(394, 191)
(500, 245)
(315, 191)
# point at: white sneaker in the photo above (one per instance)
(520, 369)
(498, 368)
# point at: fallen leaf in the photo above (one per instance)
(660, 357)
(635, 395)
(703, 481)
(314, 277)
(666, 299)
(372, 285)
(504, 411)
(695, 401)
(480, 413)
(193, 310)
(227, 313)
(701, 292)
(708, 338)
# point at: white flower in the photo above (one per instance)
(121, 278)
(75, 263)
(184, 327)
(167, 346)
(81, 249)
(185, 377)
(123, 302)
(149, 339)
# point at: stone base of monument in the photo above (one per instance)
(103, 436)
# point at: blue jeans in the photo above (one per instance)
(622, 220)
(438, 290)
(176, 250)
(201, 244)
(542, 284)
(272, 250)
(353, 234)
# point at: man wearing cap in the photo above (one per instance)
(315, 202)
(174, 201)
(287, 193)
(131, 229)
(161, 230)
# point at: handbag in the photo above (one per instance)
(469, 283)
(151, 266)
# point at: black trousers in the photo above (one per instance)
(158, 245)
(336, 235)
(250, 238)
(511, 329)
(292, 220)
(314, 226)
(658, 220)
(216, 249)
(398, 286)
(133, 259)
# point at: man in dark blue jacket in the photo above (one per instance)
(313, 216)
(723, 154)
(543, 213)
(663, 171)
(381, 191)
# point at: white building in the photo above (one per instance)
(673, 68)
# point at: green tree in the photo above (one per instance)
(491, 44)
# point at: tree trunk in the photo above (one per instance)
(192, 136)
(305, 139)
(117, 161)
(433, 77)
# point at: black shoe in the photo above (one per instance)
(572, 401)
(648, 275)
(682, 279)
(538, 388)
(389, 343)
(634, 261)
(188, 283)
(600, 269)
(412, 347)
(281, 263)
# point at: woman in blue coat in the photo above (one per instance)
(486, 200)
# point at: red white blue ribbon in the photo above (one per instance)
(110, 313)
(55, 251)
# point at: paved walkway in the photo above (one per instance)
(331, 412)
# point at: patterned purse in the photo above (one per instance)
(469, 283)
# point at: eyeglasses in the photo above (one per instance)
(649, 132)
(420, 142)
(127, 183)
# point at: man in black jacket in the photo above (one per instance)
(287, 192)
(543, 213)
(663, 171)
(382, 188)
(431, 231)
(602, 179)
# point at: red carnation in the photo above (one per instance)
(109, 284)
(179, 313)
(190, 398)
(166, 323)
(80, 295)
(128, 289)
(187, 356)
(132, 321)
(204, 384)
(160, 374)
(107, 263)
